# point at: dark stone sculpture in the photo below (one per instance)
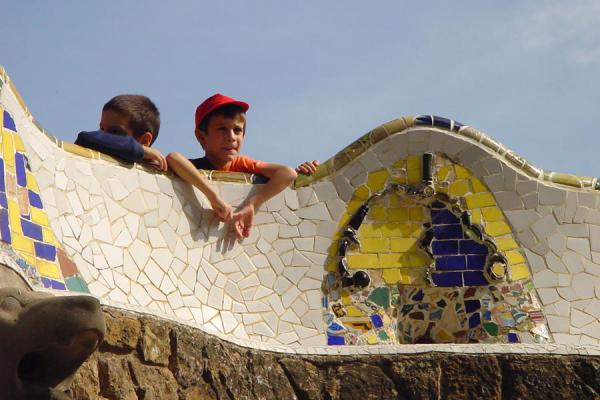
(43, 339)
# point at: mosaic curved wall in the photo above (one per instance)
(488, 249)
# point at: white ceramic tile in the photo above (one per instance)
(289, 216)
(304, 243)
(291, 198)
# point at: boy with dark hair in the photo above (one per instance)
(129, 124)
(220, 124)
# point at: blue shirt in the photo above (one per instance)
(123, 147)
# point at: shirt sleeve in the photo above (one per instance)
(247, 164)
(123, 147)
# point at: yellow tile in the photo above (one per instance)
(391, 276)
(370, 230)
(352, 311)
(377, 214)
(403, 245)
(518, 272)
(48, 269)
(476, 216)
(491, 214)
(458, 188)
(374, 245)
(416, 214)
(397, 214)
(32, 183)
(19, 146)
(461, 172)
(332, 265)
(372, 338)
(399, 178)
(497, 228)
(514, 257)
(480, 200)
(39, 216)
(413, 276)
(419, 259)
(376, 180)
(346, 299)
(21, 243)
(399, 164)
(353, 206)
(443, 172)
(505, 244)
(75, 149)
(477, 186)
(357, 261)
(49, 237)
(393, 229)
(397, 260)
(413, 169)
(29, 258)
(14, 216)
(8, 148)
(445, 336)
(362, 193)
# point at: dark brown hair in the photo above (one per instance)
(142, 113)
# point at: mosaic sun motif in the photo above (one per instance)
(29, 245)
(444, 267)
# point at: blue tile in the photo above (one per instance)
(474, 278)
(35, 200)
(2, 184)
(443, 216)
(46, 282)
(9, 123)
(450, 263)
(4, 227)
(376, 320)
(441, 122)
(20, 168)
(45, 251)
(472, 305)
(3, 201)
(418, 296)
(32, 230)
(444, 247)
(437, 205)
(57, 285)
(513, 338)
(458, 125)
(335, 340)
(447, 279)
(448, 231)
(476, 262)
(472, 247)
(474, 320)
(424, 120)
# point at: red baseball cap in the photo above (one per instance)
(215, 101)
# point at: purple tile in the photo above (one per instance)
(35, 200)
(472, 247)
(2, 184)
(476, 262)
(444, 247)
(474, 278)
(31, 230)
(20, 168)
(9, 122)
(447, 279)
(45, 251)
(450, 263)
(335, 340)
(4, 227)
(454, 231)
(443, 216)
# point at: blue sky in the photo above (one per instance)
(318, 74)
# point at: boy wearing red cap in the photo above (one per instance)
(220, 127)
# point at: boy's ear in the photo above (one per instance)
(145, 138)
(200, 136)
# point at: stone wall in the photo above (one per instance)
(144, 357)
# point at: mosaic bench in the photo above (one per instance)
(423, 231)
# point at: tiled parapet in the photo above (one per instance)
(149, 242)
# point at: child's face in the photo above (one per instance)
(223, 140)
(115, 123)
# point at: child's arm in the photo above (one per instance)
(186, 171)
(280, 177)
